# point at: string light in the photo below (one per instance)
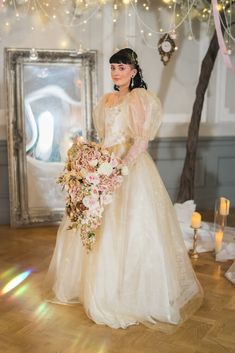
(80, 12)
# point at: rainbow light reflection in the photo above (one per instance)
(15, 282)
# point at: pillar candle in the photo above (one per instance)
(218, 240)
(196, 220)
(224, 206)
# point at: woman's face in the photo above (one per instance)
(121, 74)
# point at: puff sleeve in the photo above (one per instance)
(145, 114)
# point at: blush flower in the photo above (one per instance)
(105, 169)
(124, 170)
(90, 202)
(93, 162)
(93, 178)
(90, 178)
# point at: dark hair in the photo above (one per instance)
(128, 56)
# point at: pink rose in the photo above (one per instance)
(91, 202)
(93, 178)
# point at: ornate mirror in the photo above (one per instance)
(50, 97)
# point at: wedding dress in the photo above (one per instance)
(139, 269)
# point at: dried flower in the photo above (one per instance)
(90, 177)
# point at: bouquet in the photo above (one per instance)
(91, 175)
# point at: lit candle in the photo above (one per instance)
(218, 240)
(196, 220)
(224, 206)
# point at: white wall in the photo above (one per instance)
(175, 84)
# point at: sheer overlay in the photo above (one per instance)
(139, 270)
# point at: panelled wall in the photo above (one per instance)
(215, 167)
(215, 170)
(174, 84)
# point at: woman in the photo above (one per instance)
(139, 270)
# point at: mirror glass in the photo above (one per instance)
(52, 98)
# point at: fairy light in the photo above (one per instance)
(64, 44)
(85, 10)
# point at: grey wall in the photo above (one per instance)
(215, 167)
(215, 170)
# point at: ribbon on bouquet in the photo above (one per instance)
(223, 49)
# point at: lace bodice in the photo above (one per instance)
(115, 128)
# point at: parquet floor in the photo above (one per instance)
(29, 325)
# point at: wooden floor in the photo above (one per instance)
(27, 324)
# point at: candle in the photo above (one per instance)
(224, 206)
(196, 220)
(218, 240)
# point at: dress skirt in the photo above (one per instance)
(139, 270)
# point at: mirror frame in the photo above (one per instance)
(15, 59)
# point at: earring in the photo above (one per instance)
(132, 82)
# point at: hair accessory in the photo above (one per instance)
(133, 58)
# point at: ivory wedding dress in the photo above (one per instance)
(139, 269)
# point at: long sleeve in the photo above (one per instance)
(144, 120)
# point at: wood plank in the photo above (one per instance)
(30, 325)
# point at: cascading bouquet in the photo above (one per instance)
(91, 175)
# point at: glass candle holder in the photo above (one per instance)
(221, 213)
